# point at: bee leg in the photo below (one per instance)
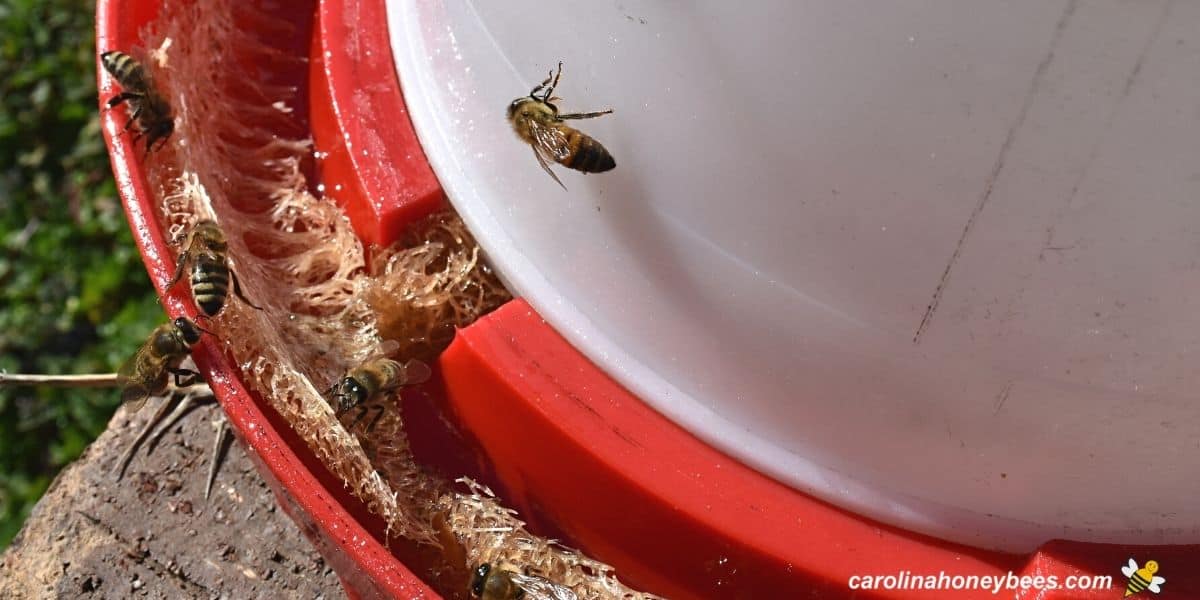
(361, 412)
(375, 420)
(133, 117)
(180, 373)
(237, 290)
(220, 447)
(554, 84)
(123, 463)
(587, 115)
(184, 258)
(541, 86)
(122, 97)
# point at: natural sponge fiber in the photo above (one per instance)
(239, 157)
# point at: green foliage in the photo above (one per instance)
(74, 297)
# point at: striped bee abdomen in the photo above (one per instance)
(210, 283)
(587, 154)
(149, 109)
(128, 72)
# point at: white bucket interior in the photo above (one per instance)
(937, 264)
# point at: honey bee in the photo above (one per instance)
(373, 377)
(490, 583)
(537, 121)
(146, 373)
(150, 109)
(205, 250)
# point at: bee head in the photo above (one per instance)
(188, 329)
(350, 393)
(161, 130)
(512, 108)
(479, 578)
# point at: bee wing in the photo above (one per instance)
(1157, 582)
(1131, 569)
(549, 144)
(546, 167)
(387, 347)
(416, 371)
(133, 392)
(135, 396)
(537, 588)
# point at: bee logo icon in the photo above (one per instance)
(1143, 578)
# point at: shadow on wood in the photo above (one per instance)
(152, 534)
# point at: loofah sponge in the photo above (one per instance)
(239, 157)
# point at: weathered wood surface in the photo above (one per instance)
(153, 535)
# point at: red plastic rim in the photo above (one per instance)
(366, 568)
(590, 462)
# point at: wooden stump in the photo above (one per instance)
(153, 535)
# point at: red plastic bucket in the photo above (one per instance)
(592, 464)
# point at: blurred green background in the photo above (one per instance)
(74, 296)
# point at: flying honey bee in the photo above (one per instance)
(537, 121)
(147, 372)
(373, 377)
(205, 250)
(150, 109)
(490, 583)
